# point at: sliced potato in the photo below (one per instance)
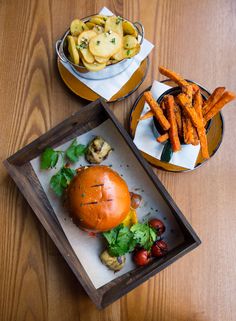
(101, 17)
(129, 29)
(72, 50)
(105, 45)
(87, 56)
(109, 62)
(128, 53)
(84, 38)
(129, 42)
(101, 60)
(119, 55)
(83, 41)
(97, 21)
(98, 29)
(77, 26)
(75, 39)
(94, 67)
(114, 24)
(90, 25)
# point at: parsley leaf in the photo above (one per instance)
(144, 235)
(61, 180)
(75, 150)
(120, 240)
(113, 40)
(118, 20)
(49, 158)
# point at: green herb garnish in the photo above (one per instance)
(113, 40)
(49, 158)
(98, 42)
(144, 235)
(83, 44)
(128, 52)
(75, 150)
(122, 240)
(118, 20)
(61, 180)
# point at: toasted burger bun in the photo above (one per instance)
(98, 198)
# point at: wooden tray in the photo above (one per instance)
(20, 169)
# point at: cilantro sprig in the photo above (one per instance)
(49, 159)
(122, 240)
(144, 235)
(75, 150)
(61, 180)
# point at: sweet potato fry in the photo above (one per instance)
(187, 129)
(203, 142)
(173, 76)
(195, 137)
(215, 96)
(197, 122)
(188, 108)
(188, 90)
(198, 107)
(157, 111)
(195, 88)
(173, 131)
(163, 138)
(201, 131)
(178, 119)
(225, 98)
(163, 107)
(184, 124)
(147, 115)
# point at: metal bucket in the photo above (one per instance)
(110, 70)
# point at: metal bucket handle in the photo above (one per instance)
(58, 44)
(140, 28)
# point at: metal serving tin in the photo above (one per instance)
(110, 70)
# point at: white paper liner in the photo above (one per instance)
(122, 160)
(145, 139)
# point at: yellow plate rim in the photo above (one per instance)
(112, 100)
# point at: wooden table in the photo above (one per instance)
(196, 38)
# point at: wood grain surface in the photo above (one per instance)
(196, 38)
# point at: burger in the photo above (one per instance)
(98, 199)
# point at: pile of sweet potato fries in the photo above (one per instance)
(184, 117)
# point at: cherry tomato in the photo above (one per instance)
(159, 248)
(141, 257)
(157, 225)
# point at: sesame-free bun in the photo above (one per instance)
(98, 198)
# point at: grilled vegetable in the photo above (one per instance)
(112, 262)
(98, 150)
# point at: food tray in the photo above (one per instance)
(20, 168)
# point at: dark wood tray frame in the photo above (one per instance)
(20, 169)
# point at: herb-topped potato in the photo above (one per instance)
(83, 41)
(105, 44)
(101, 41)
